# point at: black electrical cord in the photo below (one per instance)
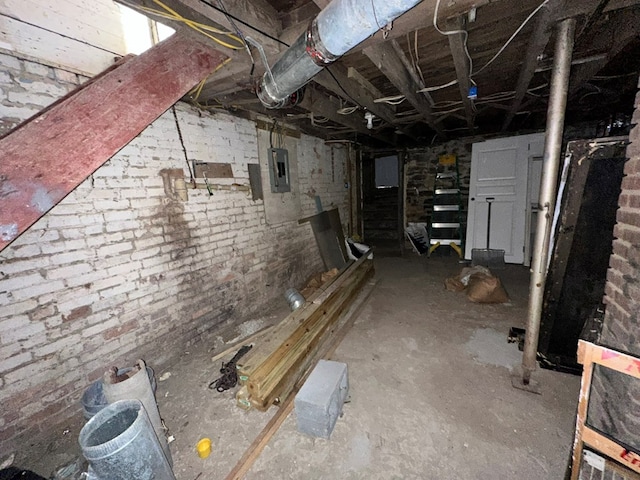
(240, 34)
(246, 24)
(342, 88)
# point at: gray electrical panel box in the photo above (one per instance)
(279, 170)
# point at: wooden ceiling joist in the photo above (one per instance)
(627, 28)
(461, 63)
(392, 62)
(337, 81)
(317, 103)
(537, 44)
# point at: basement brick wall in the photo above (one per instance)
(615, 399)
(118, 270)
(420, 171)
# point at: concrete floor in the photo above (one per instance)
(430, 389)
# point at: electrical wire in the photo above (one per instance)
(347, 110)
(341, 87)
(526, 20)
(246, 24)
(184, 148)
(392, 100)
(455, 32)
(438, 87)
(206, 30)
(612, 77)
(241, 35)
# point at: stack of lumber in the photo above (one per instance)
(271, 370)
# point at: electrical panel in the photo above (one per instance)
(279, 170)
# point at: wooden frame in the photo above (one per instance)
(590, 354)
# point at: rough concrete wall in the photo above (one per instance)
(616, 399)
(118, 270)
(420, 170)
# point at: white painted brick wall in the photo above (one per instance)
(110, 271)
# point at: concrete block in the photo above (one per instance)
(319, 402)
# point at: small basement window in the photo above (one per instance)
(279, 170)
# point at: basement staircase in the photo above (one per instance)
(380, 212)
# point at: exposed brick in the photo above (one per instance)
(76, 313)
(118, 270)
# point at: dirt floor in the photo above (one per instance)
(430, 396)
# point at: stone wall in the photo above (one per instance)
(120, 270)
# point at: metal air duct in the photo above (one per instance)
(338, 28)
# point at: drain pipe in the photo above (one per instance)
(338, 28)
(551, 165)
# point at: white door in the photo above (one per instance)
(499, 170)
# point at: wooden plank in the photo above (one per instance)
(318, 103)
(255, 449)
(537, 43)
(298, 318)
(100, 28)
(52, 49)
(300, 355)
(356, 76)
(583, 404)
(77, 134)
(355, 304)
(339, 83)
(624, 27)
(281, 331)
(393, 63)
(238, 345)
(267, 126)
(612, 449)
(461, 63)
(590, 354)
(212, 170)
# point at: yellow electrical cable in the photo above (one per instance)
(198, 27)
(197, 90)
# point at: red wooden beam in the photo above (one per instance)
(44, 159)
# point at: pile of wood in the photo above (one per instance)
(270, 371)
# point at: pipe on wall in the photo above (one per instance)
(550, 168)
(338, 28)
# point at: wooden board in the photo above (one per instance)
(80, 132)
(298, 342)
(590, 354)
(212, 170)
(253, 452)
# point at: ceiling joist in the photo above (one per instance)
(392, 62)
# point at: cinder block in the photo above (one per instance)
(319, 402)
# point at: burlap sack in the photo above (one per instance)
(453, 284)
(483, 288)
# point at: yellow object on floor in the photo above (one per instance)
(204, 447)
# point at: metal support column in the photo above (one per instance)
(551, 165)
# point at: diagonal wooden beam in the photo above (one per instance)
(461, 63)
(393, 63)
(81, 131)
(625, 27)
(238, 66)
(537, 43)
